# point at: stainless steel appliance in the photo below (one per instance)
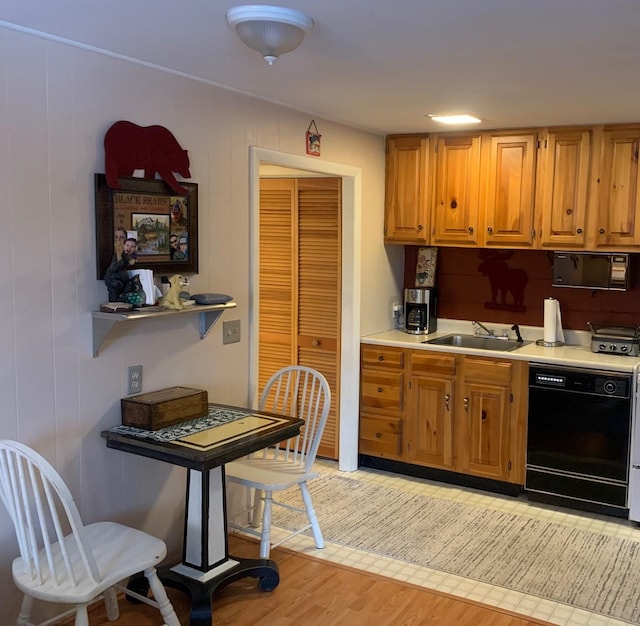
(420, 307)
(634, 472)
(615, 339)
(578, 439)
(591, 270)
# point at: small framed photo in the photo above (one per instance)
(426, 267)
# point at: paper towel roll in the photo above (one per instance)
(552, 321)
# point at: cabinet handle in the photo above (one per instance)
(378, 435)
(579, 231)
(447, 397)
(569, 211)
(454, 204)
(601, 231)
(420, 226)
(315, 343)
(379, 389)
(380, 357)
(470, 230)
(489, 229)
(466, 404)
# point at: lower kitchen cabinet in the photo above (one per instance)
(458, 413)
(381, 401)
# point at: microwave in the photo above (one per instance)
(591, 270)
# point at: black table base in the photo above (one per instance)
(202, 593)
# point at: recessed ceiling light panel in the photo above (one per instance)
(455, 119)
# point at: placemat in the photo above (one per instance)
(216, 417)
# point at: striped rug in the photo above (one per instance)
(576, 567)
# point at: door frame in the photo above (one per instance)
(351, 265)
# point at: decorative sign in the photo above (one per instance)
(313, 139)
(426, 267)
(160, 225)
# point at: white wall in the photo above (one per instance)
(56, 103)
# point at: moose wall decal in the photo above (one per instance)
(503, 280)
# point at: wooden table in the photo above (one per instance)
(206, 565)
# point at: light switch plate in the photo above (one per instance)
(231, 331)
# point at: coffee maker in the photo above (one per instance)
(420, 307)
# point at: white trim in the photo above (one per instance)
(351, 266)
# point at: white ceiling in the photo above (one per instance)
(381, 65)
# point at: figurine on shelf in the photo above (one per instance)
(116, 277)
(172, 299)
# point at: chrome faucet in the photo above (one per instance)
(477, 326)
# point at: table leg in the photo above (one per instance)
(206, 566)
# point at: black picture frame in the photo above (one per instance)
(154, 212)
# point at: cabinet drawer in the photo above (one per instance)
(381, 390)
(422, 362)
(380, 436)
(493, 371)
(380, 356)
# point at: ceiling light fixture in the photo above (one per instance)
(455, 119)
(270, 30)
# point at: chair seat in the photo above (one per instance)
(267, 474)
(119, 552)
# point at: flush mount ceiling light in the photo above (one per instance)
(455, 119)
(270, 30)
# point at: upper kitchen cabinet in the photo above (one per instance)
(510, 197)
(617, 222)
(407, 190)
(456, 205)
(565, 176)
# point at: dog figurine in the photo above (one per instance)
(172, 300)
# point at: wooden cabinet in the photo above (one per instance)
(510, 197)
(406, 190)
(429, 424)
(460, 413)
(456, 206)
(484, 189)
(618, 221)
(381, 401)
(565, 181)
(484, 418)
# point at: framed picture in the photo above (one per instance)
(158, 225)
(426, 267)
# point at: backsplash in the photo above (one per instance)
(509, 286)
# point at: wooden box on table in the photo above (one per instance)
(164, 407)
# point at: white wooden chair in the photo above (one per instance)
(63, 561)
(296, 391)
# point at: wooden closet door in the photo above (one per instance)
(300, 284)
(278, 276)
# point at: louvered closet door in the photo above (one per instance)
(278, 301)
(319, 304)
(300, 270)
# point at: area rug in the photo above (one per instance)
(576, 567)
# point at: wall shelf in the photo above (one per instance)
(103, 323)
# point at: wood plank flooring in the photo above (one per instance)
(314, 592)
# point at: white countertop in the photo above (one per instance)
(576, 352)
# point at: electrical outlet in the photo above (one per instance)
(231, 331)
(134, 379)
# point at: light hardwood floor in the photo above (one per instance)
(315, 592)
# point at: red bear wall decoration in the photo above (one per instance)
(130, 147)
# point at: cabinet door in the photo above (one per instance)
(430, 438)
(484, 431)
(457, 191)
(406, 190)
(618, 224)
(566, 188)
(510, 202)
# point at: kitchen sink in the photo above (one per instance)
(481, 343)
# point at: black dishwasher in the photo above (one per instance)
(578, 438)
